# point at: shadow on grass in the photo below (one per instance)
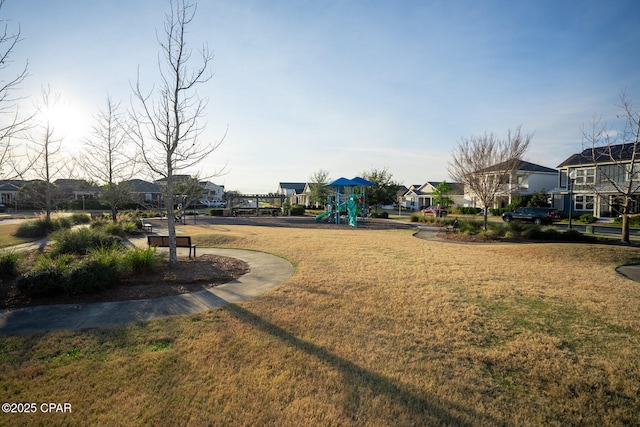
(431, 410)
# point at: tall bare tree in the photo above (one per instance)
(11, 122)
(167, 127)
(484, 164)
(615, 155)
(44, 149)
(106, 158)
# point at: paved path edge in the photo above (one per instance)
(266, 272)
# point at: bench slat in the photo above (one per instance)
(181, 242)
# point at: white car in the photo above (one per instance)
(213, 204)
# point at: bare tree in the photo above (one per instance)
(105, 158)
(45, 146)
(11, 123)
(167, 128)
(484, 164)
(615, 156)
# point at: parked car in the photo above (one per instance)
(213, 204)
(2, 207)
(435, 211)
(535, 215)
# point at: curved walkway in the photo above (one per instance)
(266, 272)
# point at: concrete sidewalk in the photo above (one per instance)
(266, 272)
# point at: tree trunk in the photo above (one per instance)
(171, 223)
(625, 221)
(485, 217)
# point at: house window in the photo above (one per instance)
(585, 176)
(584, 203)
(147, 197)
(635, 172)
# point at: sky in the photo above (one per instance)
(345, 86)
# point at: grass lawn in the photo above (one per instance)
(375, 328)
(7, 238)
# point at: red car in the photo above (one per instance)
(435, 211)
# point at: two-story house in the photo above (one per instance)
(524, 179)
(297, 193)
(596, 179)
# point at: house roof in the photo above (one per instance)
(456, 188)
(142, 186)
(11, 185)
(298, 187)
(521, 166)
(605, 154)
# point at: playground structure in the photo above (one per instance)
(345, 201)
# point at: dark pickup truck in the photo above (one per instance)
(535, 215)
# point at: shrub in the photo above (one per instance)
(62, 222)
(89, 277)
(297, 210)
(216, 212)
(122, 228)
(36, 228)
(587, 218)
(139, 260)
(468, 210)
(9, 264)
(469, 226)
(41, 283)
(532, 232)
(47, 278)
(516, 226)
(383, 214)
(80, 218)
(81, 240)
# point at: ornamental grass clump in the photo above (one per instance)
(9, 264)
(140, 260)
(80, 241)
(37, 228)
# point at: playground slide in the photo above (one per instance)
(322, 215)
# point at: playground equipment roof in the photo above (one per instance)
(355, 182)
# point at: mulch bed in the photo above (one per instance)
(189, 275)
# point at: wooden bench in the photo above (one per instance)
(181, 242)
(451, 228)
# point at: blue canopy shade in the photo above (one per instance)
(342, 182)
(363, 182)
(355, 182)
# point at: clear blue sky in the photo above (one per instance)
(348, 86)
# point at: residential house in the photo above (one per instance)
(524, 179)
(78, 189)
(212, 192)
(592, 172)
(145, 192)
(9, 192)
(420, 196)
(297, 193)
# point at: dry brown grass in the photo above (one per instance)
(7, 237)
(375, 328)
